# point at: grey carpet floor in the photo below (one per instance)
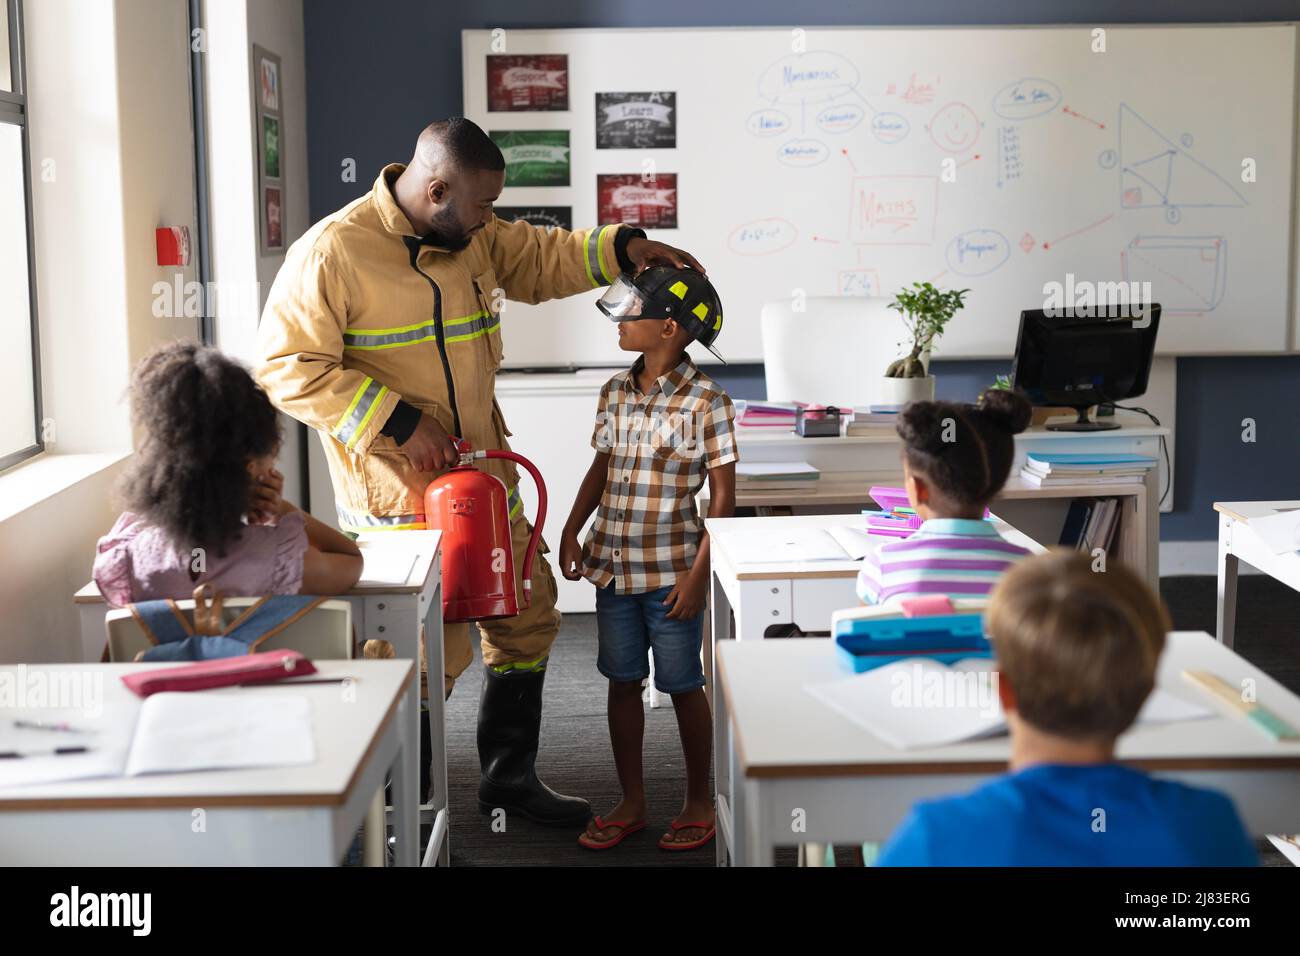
(575, 755)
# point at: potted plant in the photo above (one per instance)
(926, 311)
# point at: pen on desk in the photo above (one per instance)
(1259, 717)
(47, 725)
(56, 752)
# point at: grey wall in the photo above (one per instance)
(378, 71)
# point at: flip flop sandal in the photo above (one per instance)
(625, 830)
(710, 828)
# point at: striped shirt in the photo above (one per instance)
(957, 557)
(660, 444)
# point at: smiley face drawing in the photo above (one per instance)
(954, 127)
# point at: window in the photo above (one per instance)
(20, 433)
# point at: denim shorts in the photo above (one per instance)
(628, 626)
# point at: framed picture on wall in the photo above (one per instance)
(268, 74)
(268, 134)
(273, 212)
(271, 147)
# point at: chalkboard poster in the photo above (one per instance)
(534, 157)
(636, 120)
(650, 203)
(538, 82)
(552, 216)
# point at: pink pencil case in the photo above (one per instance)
(260, 668)
(888, 521)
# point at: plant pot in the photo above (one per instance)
(900, 391)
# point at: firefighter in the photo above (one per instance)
(382, 332)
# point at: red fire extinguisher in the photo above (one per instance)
(472, 510)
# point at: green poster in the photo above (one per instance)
(535, 157)
(271, 146)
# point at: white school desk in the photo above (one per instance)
(1237, 542)
(391, 612)
(787, 751)
(806, 593)
(851, 464)
(265, 816)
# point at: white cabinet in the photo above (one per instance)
(551, 417)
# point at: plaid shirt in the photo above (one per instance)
(660, 444)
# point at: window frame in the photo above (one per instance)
(13, 112)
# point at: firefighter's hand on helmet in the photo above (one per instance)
(570, 556)
(430, 447)
(648, 252)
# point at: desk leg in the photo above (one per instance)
(723, 761)
(395, 618)
(753, 837)
(439, 849)
(1227, 609)
(406, 813)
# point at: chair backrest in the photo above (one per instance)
(323, 633)
(864, 334)
(873, 612)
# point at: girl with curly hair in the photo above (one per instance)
(203, 497)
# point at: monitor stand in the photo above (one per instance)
(1083, 424)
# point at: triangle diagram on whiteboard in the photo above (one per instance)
(1155, 171)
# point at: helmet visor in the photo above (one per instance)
(621, 300)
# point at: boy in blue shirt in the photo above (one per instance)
(1077, 652)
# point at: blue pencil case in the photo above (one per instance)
(869, 643)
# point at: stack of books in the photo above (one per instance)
(1044, 470)
(776, 474)
(1092, 523)
(873, 417)
(766, 414)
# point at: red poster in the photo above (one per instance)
(537, 82)
(648, 203)
(274, 228)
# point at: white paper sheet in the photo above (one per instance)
(216, 731)
(920, 702)
(385, 566)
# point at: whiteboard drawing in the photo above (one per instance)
(890, 128)
(977, 252)
(768, 122)
(802, 152)
(954, 127)
(1157, 172)
(895, 210)
(1010, 166)
(1026, 98)
(799, 79)
(762, 237)
(841, 117)
(859, 282)
(1188, 274)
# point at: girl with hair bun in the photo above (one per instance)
(203, 496)
(956, 458)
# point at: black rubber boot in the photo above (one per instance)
(509, 722)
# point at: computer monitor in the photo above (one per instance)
(1074, 360)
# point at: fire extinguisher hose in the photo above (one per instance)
(538, 524)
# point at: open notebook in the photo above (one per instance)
(170, 733)
(837, 543)
(920, 702)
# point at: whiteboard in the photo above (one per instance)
(856, 161)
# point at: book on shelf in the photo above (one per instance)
(1041, 469)
(772, 471)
